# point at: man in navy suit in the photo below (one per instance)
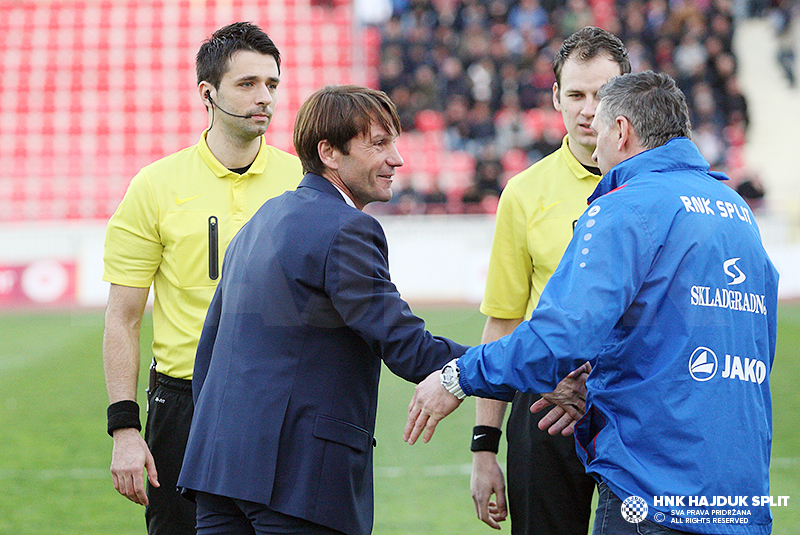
(285, 380)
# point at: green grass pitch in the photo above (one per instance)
(54, 451)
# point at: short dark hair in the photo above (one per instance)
(338, 113)
(215, 53)
(588, 43)
(652, 102)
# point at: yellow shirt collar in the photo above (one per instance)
(258, 166)
(574, 165)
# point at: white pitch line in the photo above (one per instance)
(447, 470)
(387, 472)
(785, 462)
(55, 473)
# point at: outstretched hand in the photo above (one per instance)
(569, 399)
(430, 403)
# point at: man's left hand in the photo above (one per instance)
(430, 403)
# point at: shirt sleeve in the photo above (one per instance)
(508, 280)
(598, 279)
(133, 245)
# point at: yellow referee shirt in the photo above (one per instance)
(535, 217)
(160, 235)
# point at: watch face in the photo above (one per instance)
(448, 374)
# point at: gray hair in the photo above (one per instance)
(652, 102)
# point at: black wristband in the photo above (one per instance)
(123, 414)
(485, 438)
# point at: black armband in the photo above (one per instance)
(123, 414)
(485, 438)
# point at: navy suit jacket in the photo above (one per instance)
(286, 376)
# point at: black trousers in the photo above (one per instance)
(220, 515)
(169, 415)
(548, 489)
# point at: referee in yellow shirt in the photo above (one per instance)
(548, 489)
(171, 230)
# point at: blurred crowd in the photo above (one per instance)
(481, 72)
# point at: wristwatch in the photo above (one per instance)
(450, 379)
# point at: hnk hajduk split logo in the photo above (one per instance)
(634, 509)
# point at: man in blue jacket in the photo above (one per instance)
(667, 290)
(285, 380)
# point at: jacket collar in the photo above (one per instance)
(676, 155)
(320, 183)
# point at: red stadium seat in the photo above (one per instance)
(429, 120)
(514, 161)
(458, 169)
(123, 107)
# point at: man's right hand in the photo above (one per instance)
(430, 403)
(129, 458)
(487, 480)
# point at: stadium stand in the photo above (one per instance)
(491, 76)
(96, 89)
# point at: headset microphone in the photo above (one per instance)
(208, 96)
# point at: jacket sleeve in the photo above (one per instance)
(594, 286)
(358, 282)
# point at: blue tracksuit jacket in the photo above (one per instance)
(667, 290)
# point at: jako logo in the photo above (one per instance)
(703, 364)
(737, 276)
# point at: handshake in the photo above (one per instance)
(432, 402)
